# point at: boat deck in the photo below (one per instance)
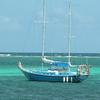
(53, 73)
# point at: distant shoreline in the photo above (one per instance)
(47, 54)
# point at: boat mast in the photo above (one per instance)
(69, 32)
(44, 27)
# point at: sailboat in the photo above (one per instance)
(61, 71)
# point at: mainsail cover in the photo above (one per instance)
(55, 63)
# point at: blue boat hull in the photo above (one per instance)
(55, 78)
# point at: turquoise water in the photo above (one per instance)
(14, 86)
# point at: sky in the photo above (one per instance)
(21, 26)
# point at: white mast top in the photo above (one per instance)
(44, 27)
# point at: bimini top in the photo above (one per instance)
(55, 63)
(60, 64)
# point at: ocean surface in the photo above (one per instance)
(14, 86)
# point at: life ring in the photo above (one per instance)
(83, 70)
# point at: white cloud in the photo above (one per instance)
(55, 16)
(60, 15)
(9, 24)
(83, 19)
